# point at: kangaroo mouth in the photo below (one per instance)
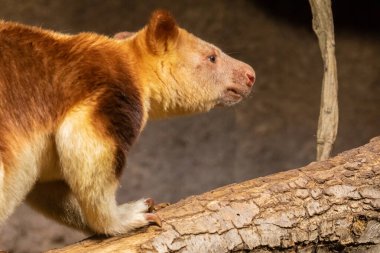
(233, 96)
(234, 93)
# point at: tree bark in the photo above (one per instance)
(328, 206)
(323, 26)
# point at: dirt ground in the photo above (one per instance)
(273, 130)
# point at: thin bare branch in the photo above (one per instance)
(328, 118)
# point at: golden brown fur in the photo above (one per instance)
(72, 105)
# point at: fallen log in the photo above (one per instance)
(328, 206)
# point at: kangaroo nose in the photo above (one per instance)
(251, 78)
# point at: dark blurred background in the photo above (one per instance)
(273, 130)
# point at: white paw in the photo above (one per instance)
(139, 206)
(137, 214)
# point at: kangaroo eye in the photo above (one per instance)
(212, 58)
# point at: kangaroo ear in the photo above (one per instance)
(162, 32)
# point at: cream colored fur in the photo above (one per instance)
(87, 166)
(22, 176)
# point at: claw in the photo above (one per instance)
(153, 218)
(150, 203)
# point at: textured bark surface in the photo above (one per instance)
(328, 206)
(323, 26)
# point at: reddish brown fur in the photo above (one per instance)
(45, 77)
